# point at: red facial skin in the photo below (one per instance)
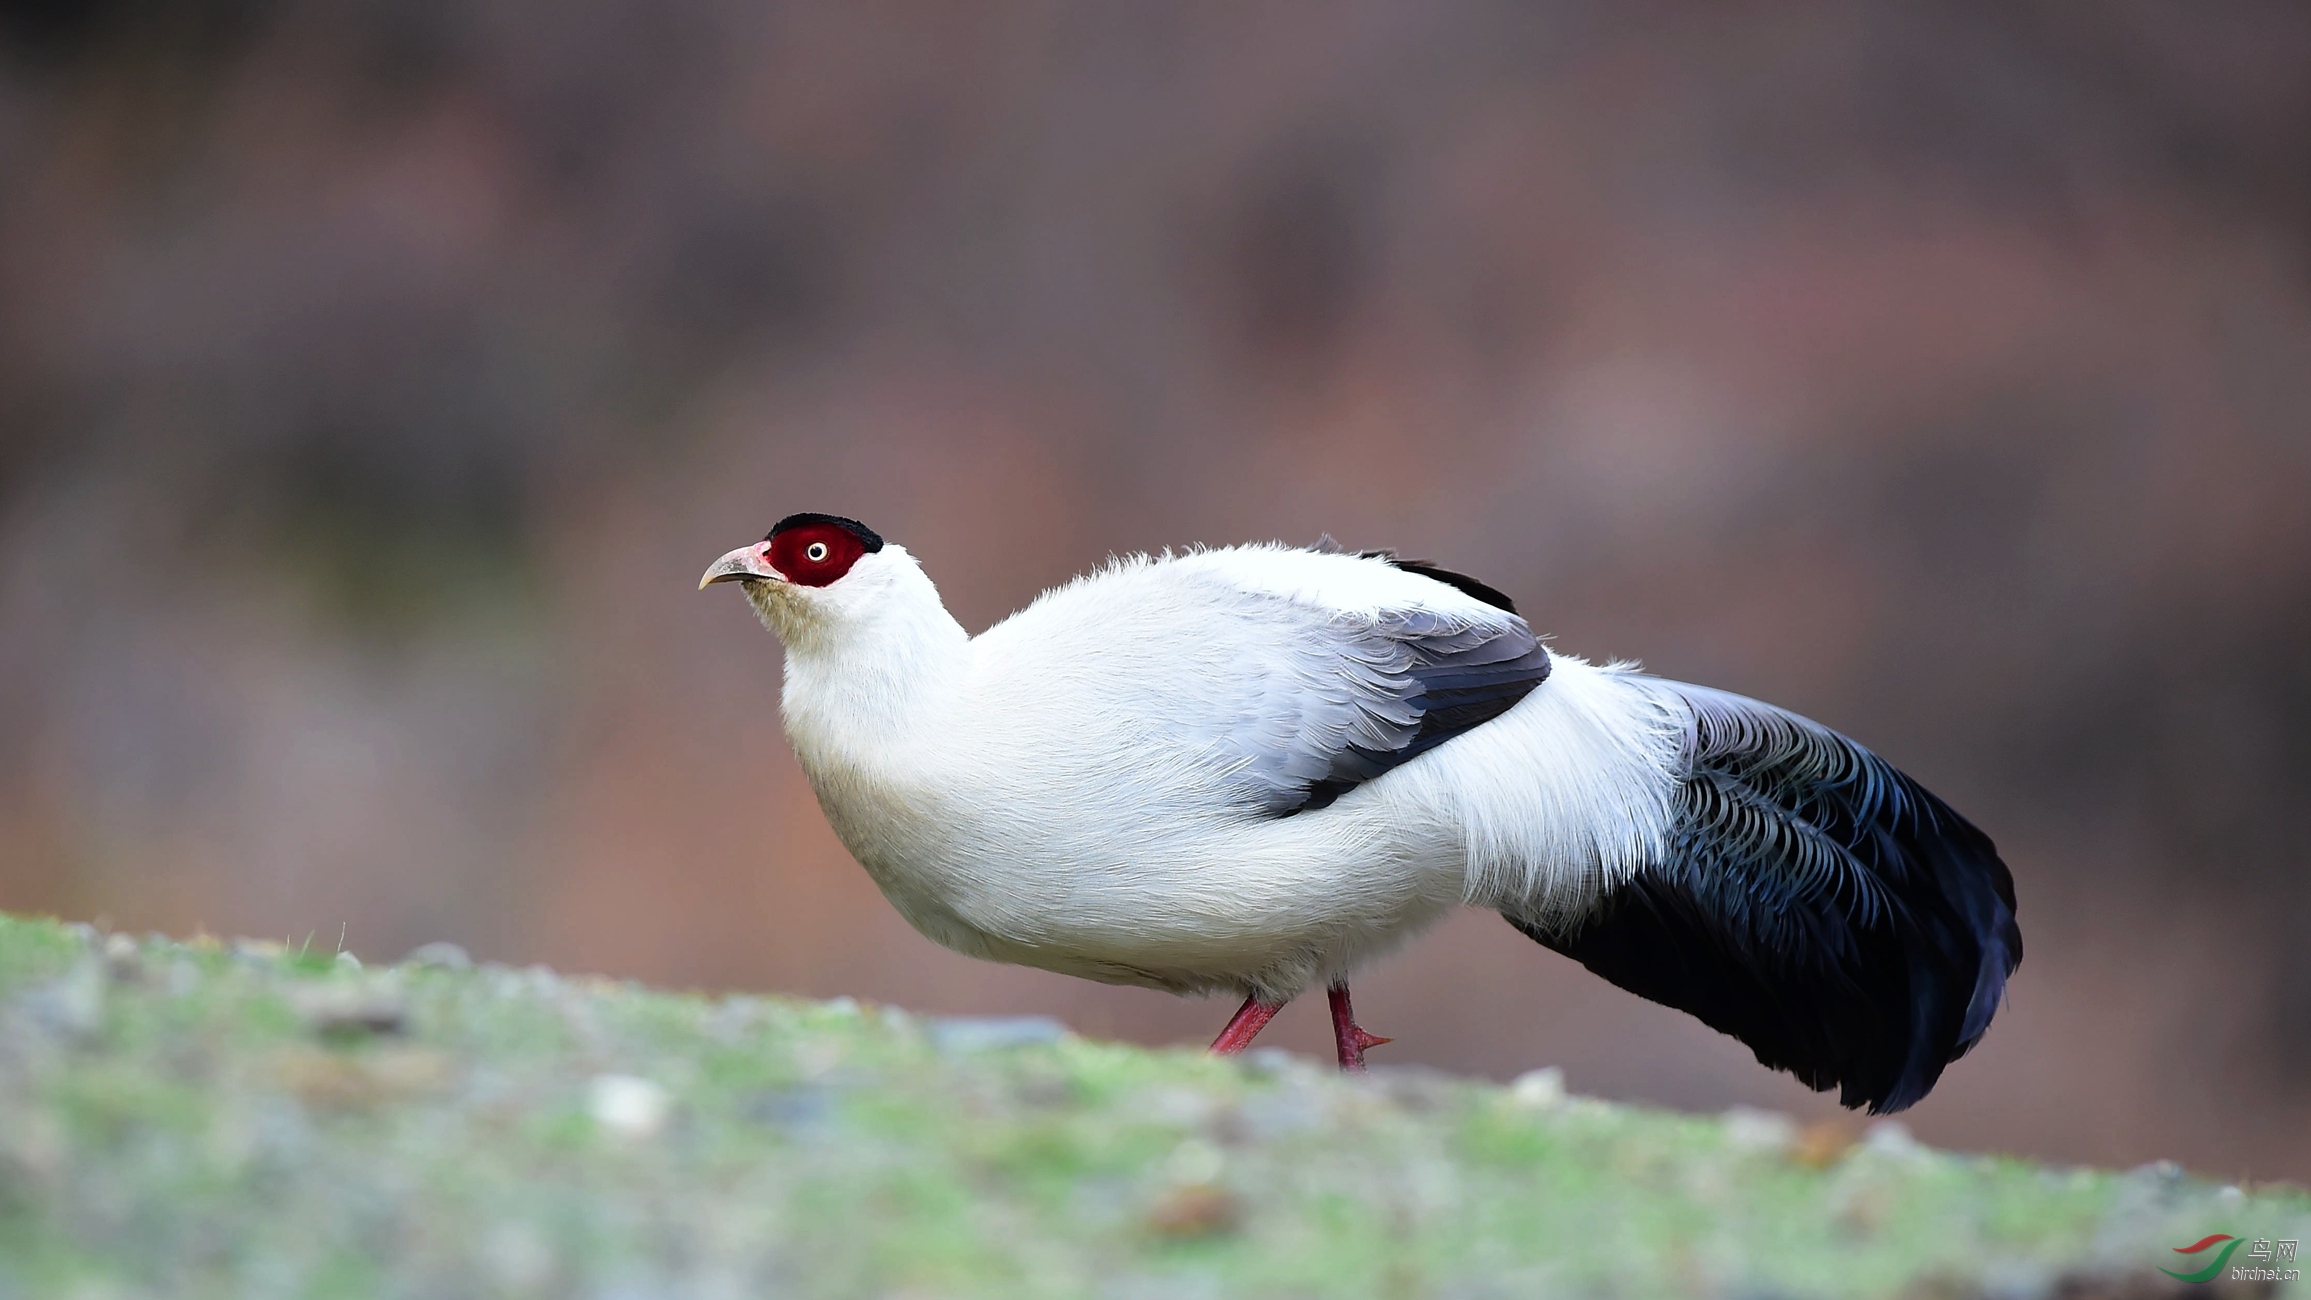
(813, 555)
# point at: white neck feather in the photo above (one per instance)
(869, 664)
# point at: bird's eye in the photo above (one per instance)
(816, 552)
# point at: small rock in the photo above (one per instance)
(1542, 1089)
(1195, 1210)
(343, 1081)
(1749, 1129)
(123, 960)
(74, 1001)
(412, 1070)
(1295, 1106)
(34, 1142)
(627, 1106)
(1044, 1089)
(962, 1035)
(1861, 1207)
(1176, 1106)
(804, 1109)
(2013, 1279)
(1195, 1161)
(1891, 1137)
(518, 1258)
(325, 1079)
(1274, 1062)
(1824, 1142)
(439, 954)
(733, 1017)
(819, 1058)
(1420, 1089)
(351, 1009)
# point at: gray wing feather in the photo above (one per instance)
(1358, 696)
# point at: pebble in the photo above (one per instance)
(122, 958)
(807, 1108)
(1824, 1142)
(1176, 1106)
(1296, 1106)
(1542, 1089)
(440, 954)
(1195, 1161)
(627, 1106)
(1419, 1089)
(1275, 1062)
(1195, 1210)
(74, 1001)
(340, 1008)
(518, 1258)
(1891, 1137)
(1750, 1129)
(962, 1035)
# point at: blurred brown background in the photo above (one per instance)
(376, 377)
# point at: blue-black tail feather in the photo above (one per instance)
(1815, 903)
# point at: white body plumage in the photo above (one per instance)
(1061, 792)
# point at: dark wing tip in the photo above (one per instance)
(1460, 582)
(1869, 977)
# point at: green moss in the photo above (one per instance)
(181, 1120)
(33, 950)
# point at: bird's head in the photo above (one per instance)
(813, 575)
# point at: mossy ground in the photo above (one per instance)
(248, 1121)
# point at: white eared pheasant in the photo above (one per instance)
(1251, 770)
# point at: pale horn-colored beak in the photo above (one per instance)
(742, 565)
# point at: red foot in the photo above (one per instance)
(1249, 1020)
(1350, 1036)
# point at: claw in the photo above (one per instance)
(1351, 1038)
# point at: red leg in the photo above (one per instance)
(1250, 1019)
(1347, 1033)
